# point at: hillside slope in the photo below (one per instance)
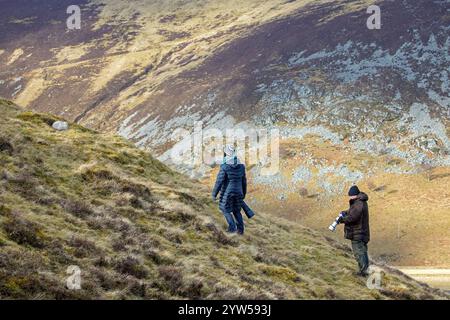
(137, 229)
(353, 105)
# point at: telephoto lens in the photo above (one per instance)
(333, 226)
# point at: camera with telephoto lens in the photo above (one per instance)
(333, 226)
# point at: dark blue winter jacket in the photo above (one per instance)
(232, 184)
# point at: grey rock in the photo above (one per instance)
(60, 125)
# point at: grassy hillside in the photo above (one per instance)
(409, 212)
(139, 230)
(354, 105)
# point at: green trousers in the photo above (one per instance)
(360, 251)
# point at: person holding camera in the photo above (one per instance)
(356, 220)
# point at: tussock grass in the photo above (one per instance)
(138, 230)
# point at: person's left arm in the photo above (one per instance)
(244, 184)
(354, 214)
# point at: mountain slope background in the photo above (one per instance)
(353, 105)
(137, 229)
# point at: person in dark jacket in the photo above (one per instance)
(231, 182)
(356, 220)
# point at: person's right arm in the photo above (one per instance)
(219, 182)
